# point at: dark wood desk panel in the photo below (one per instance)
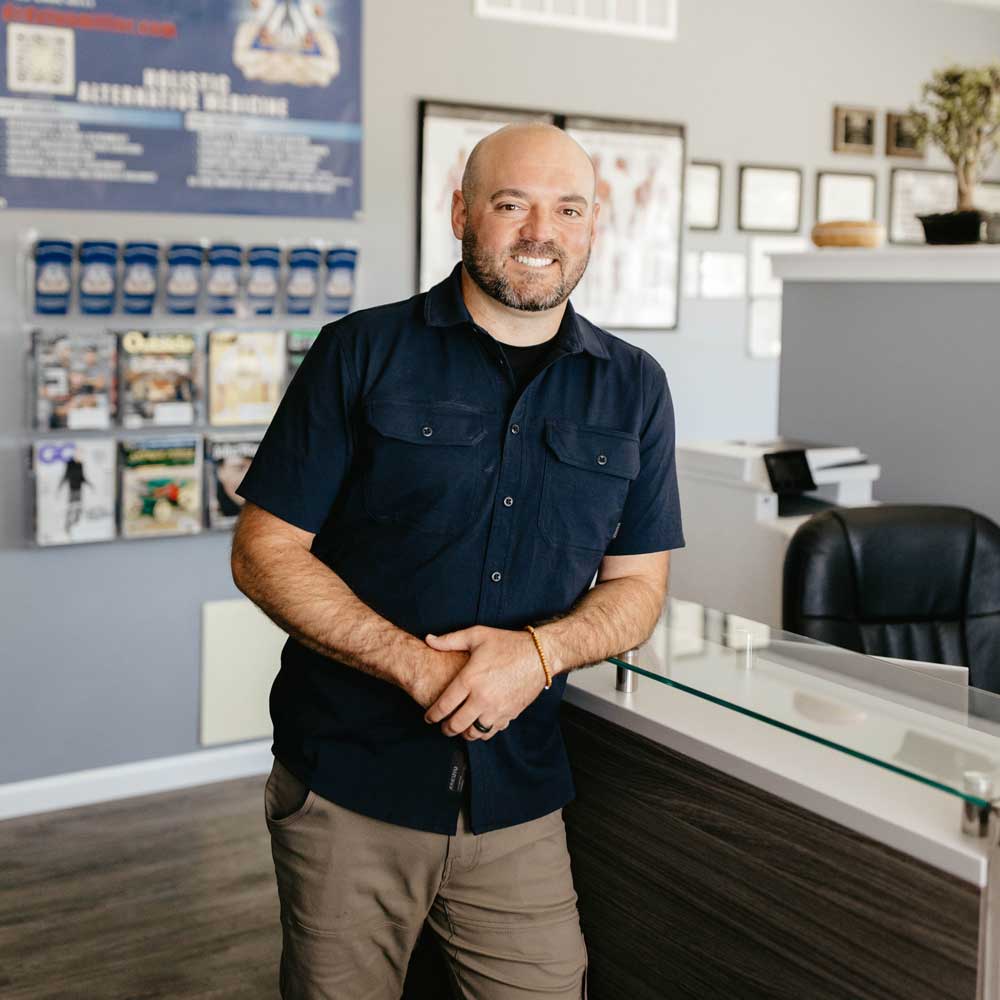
(694, 884)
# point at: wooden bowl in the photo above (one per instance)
(848, 233)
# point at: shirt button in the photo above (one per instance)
(495, 576)
(508, 501)
(514, 428)
(602, 459)
(427, 431)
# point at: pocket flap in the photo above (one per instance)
(425, 423)
(615, 453)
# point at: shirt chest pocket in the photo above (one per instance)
(585, 482)
(424, 466)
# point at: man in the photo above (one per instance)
(75, 480)
(441, 473)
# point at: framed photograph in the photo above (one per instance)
(841, 195)
(917, 191)
(633, 279)
(703, 195)
(854, 130)
(770, 199)
(447, 133)
(901, 136)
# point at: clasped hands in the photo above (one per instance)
(501, 676)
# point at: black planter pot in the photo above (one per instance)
(953, 227)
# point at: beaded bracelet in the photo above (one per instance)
(541, 656)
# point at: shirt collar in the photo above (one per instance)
(445, 306)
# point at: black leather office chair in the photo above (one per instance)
(904, 580)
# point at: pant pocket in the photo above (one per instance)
(339, 872)
(286, 798)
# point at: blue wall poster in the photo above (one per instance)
(234, 106)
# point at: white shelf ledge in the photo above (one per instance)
(973, 263)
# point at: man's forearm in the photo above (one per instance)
(612, 617)
(310, 602)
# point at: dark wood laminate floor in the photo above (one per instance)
(163, 896)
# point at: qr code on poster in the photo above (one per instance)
(41, 60)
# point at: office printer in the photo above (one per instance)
(741, 502)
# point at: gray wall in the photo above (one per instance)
(921, 364)
(99, 645)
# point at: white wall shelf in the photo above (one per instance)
(973, 263)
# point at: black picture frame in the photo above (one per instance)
(842, 141)
(744, 170)
(717, 166)
(894, 120)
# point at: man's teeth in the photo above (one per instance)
(535, 261)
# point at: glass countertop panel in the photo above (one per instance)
(920, 720)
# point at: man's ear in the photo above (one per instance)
(459, 214)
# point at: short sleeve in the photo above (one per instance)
(651, 521)
(304, 457)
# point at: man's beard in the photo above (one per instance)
(487, 271)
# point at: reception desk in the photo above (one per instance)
(781, 821)
(760, 816)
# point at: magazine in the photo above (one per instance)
(159, 379)
(299, 342)
(74, 490)
(247, 373)
(226, 460)
(74, 380)
(161, 487)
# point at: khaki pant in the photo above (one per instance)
(355, 893)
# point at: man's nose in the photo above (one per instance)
(537, 227)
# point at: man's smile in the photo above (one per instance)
(535, 262)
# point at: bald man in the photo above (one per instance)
(426, 516)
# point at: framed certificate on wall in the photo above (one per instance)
(915, 191)
(703, 195)
(770, 199)
(842, 195)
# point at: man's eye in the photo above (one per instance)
(507, 205)
(572, 211)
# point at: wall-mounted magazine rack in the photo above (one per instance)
(72, 505)
(82, 489)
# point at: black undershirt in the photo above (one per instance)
(525, 362)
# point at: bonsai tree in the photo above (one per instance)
(960, 113)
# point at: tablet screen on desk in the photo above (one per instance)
(789, 472)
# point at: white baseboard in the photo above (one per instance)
(122, 781)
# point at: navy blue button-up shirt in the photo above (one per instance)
(443, 500)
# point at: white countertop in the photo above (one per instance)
(973, 263)
(900, 812)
